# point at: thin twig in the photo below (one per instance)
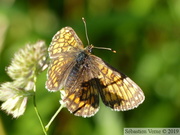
(54, 116)
(36, 110)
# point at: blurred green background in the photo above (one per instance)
(146, 36)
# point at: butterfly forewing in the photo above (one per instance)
(117, 91)
(63, 49)
(65, 40)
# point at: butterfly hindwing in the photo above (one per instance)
(83, 97)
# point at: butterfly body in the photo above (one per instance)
(85, 77)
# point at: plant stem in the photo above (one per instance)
(54, 116)
(36, 110)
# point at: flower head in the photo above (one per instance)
(28, 62)
(25, 66)
(14, 99)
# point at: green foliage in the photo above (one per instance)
(145, 35)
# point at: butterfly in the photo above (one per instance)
(84, 78)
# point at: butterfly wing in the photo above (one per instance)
(65, 40)
(63, 49)
(58, 72)
(82, 98)
(117, 90)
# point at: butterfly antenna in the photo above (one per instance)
(105, 49)
(84, 21)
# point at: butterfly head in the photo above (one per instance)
(89, 48)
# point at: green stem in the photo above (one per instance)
(54, 116)
(36, 110)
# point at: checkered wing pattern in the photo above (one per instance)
(64, 41)
(63, 49)
(58, 72)
(117, 90)
(83, 96)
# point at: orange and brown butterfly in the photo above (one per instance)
(84, 78)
